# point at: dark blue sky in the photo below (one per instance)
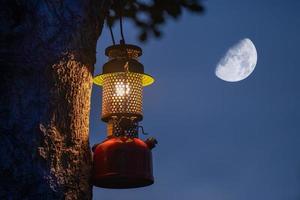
(219, 140)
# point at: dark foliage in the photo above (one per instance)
(149, 15)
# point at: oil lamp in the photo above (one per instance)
(123, 160)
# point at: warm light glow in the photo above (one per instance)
(122, 89)
(122, 93)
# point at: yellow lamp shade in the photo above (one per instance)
(146, 79)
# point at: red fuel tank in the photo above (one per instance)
(122, 162)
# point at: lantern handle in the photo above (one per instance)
(109, 23)
(122, 41)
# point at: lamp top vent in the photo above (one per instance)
(123, 51)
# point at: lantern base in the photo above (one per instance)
(118, 181)
(122, 162)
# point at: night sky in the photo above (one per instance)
(218, 140)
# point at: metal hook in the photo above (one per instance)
(142, 128)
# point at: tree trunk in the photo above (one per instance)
(47, 56)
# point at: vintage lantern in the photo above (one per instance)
(123, 160)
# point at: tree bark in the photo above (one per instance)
(47, 56)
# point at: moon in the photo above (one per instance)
(238, 63)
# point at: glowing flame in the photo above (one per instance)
(122, 89)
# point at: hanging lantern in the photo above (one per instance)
(123, 160)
